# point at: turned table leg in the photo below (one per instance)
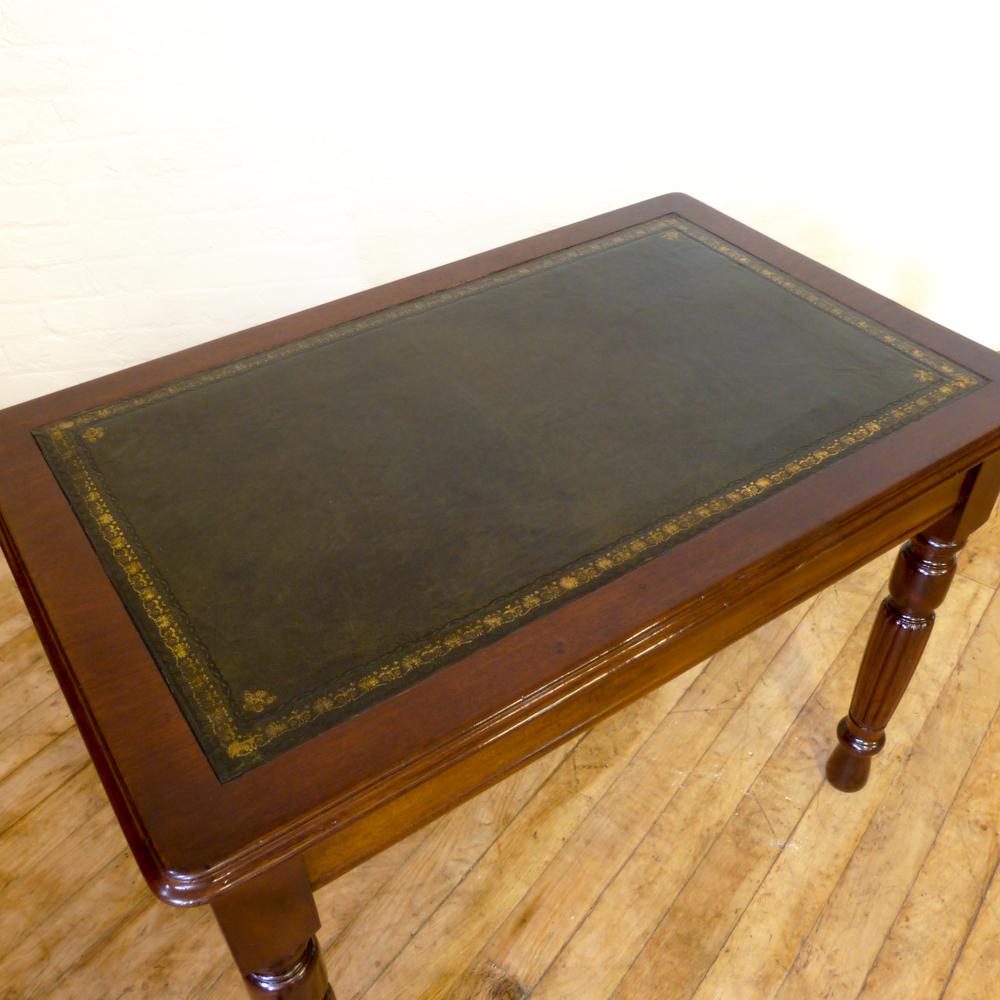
(269, 924)
(919, 582)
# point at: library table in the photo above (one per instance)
(309, 586)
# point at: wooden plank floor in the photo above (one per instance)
(688, 847)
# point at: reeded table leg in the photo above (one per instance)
(269, 924)
(920, 579)
(919, 582)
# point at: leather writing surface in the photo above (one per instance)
(306, 531)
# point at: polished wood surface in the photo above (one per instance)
(690, 839)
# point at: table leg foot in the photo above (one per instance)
(851, 761)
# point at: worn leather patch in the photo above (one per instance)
(306, 531)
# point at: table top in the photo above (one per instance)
(329, 544)
(304, 532)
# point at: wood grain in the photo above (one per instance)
(872, 888)
(534, 932)
(505, 872)
(976, 970)
(520, 874)
(433, 871)
(683, 946)
(823, 842)
(980, 560)
(947, 894)
(676, 842)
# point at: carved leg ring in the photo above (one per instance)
(301, 975)
(920, 579)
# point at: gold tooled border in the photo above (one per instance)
(240, 741)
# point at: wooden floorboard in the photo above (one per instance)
(687, 847)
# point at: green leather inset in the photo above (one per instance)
(304, 532)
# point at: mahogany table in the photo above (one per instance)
(309, 586)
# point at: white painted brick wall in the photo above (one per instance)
(174, 172)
